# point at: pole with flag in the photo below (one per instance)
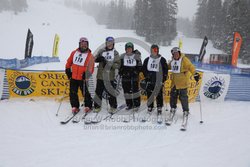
(29, 45)
(55, 46)
(203, 49)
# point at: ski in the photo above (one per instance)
(159, 118)
(91, 118)
(184, 122)
(146, 117)
(68, 118)
(110, 115)
(78, 118)
(170, 119)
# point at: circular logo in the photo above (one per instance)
(22, 84)
(214, 88)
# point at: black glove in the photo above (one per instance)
(100, 59)
(137, 52)
(197, 77)
(86, 75)
(68, 73)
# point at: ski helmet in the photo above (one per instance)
(175, 49)
(110, 39)
(84, 39)
(129, 45)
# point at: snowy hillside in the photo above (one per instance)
(47, 19)
(31, 134)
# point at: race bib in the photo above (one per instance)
(129, 61)
(80, 58)
(109, 55)
(153, 64)
(176, 66)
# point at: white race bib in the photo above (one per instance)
(129, 61)
(176, 65)
(79, 58)
(153, 64)
(109, 55)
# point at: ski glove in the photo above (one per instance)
(68, 73)
(197, 77)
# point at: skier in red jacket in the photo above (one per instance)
(79, 67)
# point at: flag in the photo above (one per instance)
(55, 46)
(29, 45)
(180, 44)
(214, 87)
(236, 48)
(203, 49)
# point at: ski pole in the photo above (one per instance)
(201, 121)
(64, 95)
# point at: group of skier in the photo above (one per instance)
(80, 66)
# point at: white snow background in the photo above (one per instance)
(31, 135)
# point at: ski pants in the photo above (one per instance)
(74, 99)
(183, 96)
(131, 93)
(154, 90)
(109, 87)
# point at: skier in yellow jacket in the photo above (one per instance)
(182, 69)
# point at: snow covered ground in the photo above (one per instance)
(31, 134)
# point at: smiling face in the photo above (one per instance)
(176, 55)
(109, 44)
(83, 45)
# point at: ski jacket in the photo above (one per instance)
(155, 68)
(80, 63)
(182, 70)
(130, 67)
(109, 61)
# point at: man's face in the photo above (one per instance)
(154, 51)
(109, 45)
(129, 50)
(83, 45)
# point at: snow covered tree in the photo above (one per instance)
(156, 20)
(4, 5)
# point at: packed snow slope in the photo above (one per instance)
(31, 134)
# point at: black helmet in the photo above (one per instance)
(175, 49)
(129, 45)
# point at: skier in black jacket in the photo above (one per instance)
(155, 71)
(130, 68)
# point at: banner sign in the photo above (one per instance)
(2, 72)
(193, 89)
(30, 84)
(214, 87)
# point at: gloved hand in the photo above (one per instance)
(137, 52)
(197, 77)
(68, 73)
